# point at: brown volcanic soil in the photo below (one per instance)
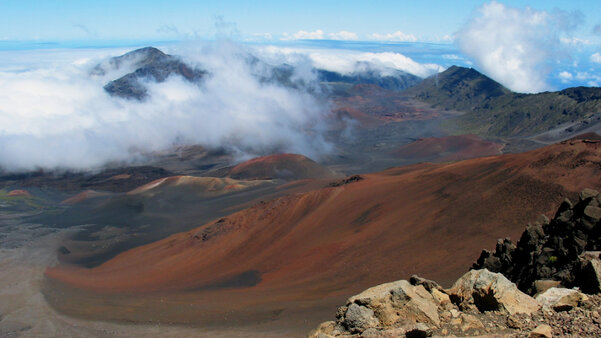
(448, 148)
(18, 192)
(372, 105)
(205, 186)
(83, 196)
(285, 262)
(282, 166)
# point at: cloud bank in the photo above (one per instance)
(396, 36)
(303, 35)
(58, 116)
(349, 61)
(343, 35)
(514, 46)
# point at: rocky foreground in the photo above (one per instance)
(553, 264)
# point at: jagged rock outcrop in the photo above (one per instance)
(554, 250)
(550, 254)
(480, 303)
(420, 307)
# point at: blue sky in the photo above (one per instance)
(158, 19)
(528, 46)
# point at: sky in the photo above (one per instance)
(55, 114)
(426, 20)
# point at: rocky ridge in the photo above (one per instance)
(149, 64)
(561, 251)
(567, 302)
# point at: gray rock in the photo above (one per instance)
(543, 285)
(541, 331)
(588, 193)
(325, 330)
(419, 330)
(560, 299)
(358, 318)
(483, 290)
(426, 283)
(401, 302)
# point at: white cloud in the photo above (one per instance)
(396, 36)
(596, 58)
(348, 61)
(451, 57)
(445, 38)
(593, 80)
(514, 46)
(55, 115)
(259, 37)
(303, 35)
(566, 77)
(343, 35)
(574, 41)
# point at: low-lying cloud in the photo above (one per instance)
(343, 35)
(317, 34)
(349, 61)
(57, 115)
(396, 36)
(516, 46)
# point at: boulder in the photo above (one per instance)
(359, 317)
(325, 330)
(483, 290)
(543, 285)
(589, 274)
(426, 283)
(385, 333)
(588, 193)
(419, 330)
(398, 303)
(466, 322)
(541, 331)
(560, 299)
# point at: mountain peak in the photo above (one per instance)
(148, 62)
(458, 87)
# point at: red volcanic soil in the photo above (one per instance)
(83, 196)
(201, 185)
(15, 193)
(371, 104)
(313, 250)
(449, 148)
(284, 166)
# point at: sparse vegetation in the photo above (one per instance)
(493, 110)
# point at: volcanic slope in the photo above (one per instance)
(448, 148)
(280, 166)
(287, 261)
(117, 222)
(493, 110)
